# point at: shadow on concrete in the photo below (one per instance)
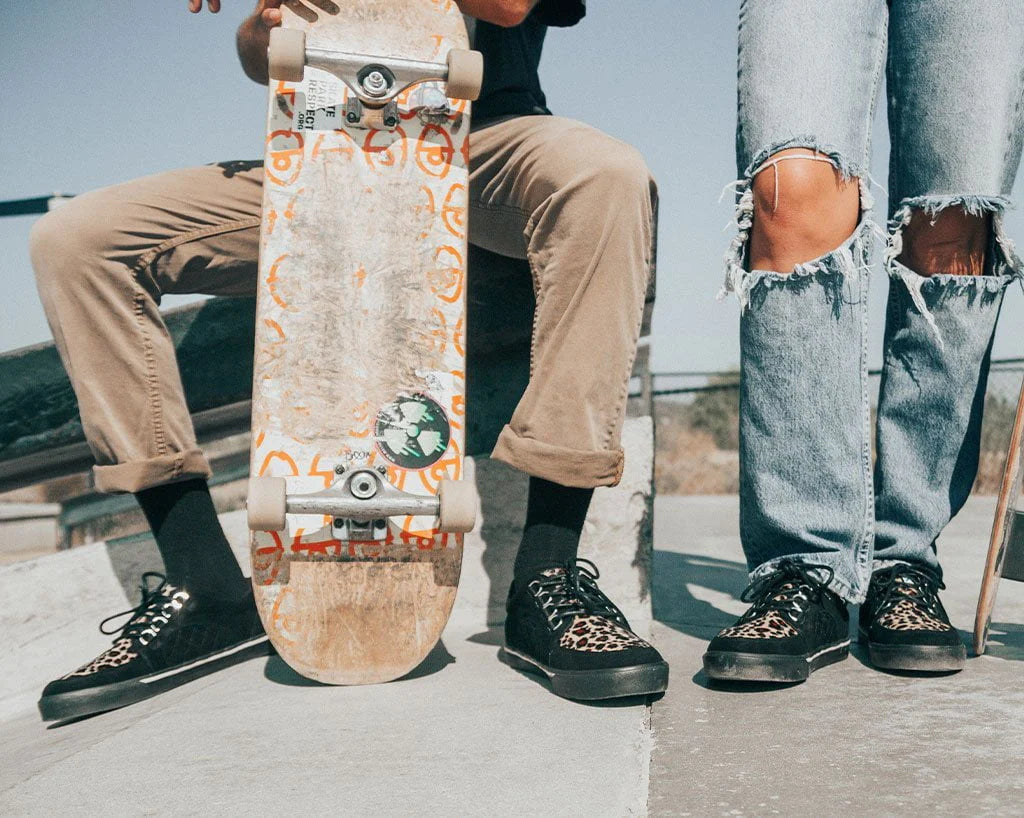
(56, 725)
(278, 671)
(502, 493)
(542, 680)
(438, 659)
(494, 636)
(1005, 641)
(701, 679)
(676, 607)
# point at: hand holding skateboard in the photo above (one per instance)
(269, 11)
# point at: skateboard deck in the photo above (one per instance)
(359, 377)
(1005, 559)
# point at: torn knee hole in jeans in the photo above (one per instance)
(845, 260)
(1002, 262)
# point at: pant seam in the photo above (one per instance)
(147, 258)
(624, 391)
(537, 293)
(502, 206)
(881, 64)
(1011, 132)
(864, 549)
(139, 309)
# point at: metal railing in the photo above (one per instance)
(697, 421)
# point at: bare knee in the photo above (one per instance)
(951, 241)
(803, 209)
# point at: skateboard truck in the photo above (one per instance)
(375, 81)
(360, 502)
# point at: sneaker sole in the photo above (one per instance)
(924, 658)
(591, 685)
(758, 667)
(77, 703)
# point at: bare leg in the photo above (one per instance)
(803, 209)
(952, 241)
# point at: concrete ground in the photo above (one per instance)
(465, 735)
(851, 740)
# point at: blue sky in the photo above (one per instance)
(107, 90)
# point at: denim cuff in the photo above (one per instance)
(849, 583)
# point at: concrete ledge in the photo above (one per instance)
(462, 735)
(52, 604)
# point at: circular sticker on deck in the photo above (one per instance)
(413, 432)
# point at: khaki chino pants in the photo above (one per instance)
(573, 202)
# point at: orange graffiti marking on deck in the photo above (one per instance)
(360, 348)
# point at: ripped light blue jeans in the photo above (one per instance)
(809, 74)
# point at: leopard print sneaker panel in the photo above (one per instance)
(118, 654)
(595, 634)
(908, 616)
(770, 625)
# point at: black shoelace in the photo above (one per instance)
(915, 583)
(788, 589)
(572, 591)
(154, 611)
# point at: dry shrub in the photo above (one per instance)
(689, 462)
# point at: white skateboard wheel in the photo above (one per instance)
(458, 506)
(266, 504)
(465, 74)
(286, 56)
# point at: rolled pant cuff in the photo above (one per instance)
(144, 474)
(567, 467)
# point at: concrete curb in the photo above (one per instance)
(507, 746)
(52, 604)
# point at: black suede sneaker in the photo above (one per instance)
(794, 626)
(169, 639)
(560, 624)
(904, 624)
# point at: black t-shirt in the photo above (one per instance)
(511, 58)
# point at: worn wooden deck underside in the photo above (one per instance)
(361, 306)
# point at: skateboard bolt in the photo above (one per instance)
(339, 523)
(363, 486)
(382, 470)
(339, 469)
(375, 83)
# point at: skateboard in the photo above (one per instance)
(1005, 558)
(356, 502)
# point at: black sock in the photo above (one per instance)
(196, 553)
(554, 521)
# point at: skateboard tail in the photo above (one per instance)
(331, 623)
